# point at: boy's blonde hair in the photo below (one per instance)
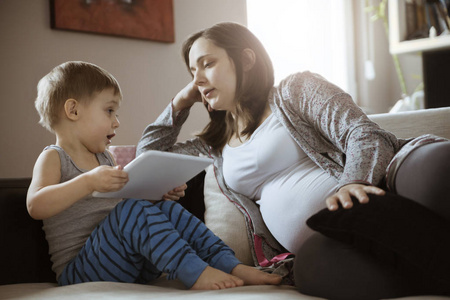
(71, 80)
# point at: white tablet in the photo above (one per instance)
(154, 173)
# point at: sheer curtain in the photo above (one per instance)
(305, 35)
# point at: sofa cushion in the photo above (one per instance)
(161, 289)
(396, 231)
(123, 154)
(224, 219)
(24, 251)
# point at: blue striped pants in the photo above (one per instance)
(139, 240)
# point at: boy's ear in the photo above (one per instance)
(248, 59)
(71, 109)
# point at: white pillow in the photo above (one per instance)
(224, 219)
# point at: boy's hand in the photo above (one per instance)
(107, 179)
(176, 193)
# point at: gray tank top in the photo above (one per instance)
(67, 232)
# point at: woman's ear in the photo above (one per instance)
(248, 59)
(71, 109)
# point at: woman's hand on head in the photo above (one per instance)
(187, 97)
(176, 193)
(359, 191)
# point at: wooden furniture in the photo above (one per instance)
(398, 44)
(435, 53)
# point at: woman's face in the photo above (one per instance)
(214, 74)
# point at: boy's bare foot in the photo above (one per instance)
(213, 279)
(252, 276)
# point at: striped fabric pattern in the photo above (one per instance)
(139, 240)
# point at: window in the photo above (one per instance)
(305, 35)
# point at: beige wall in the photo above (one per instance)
(150, 73)
(381, 93)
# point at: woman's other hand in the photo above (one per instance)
(187, 97)
(359, 191)
(176, 193)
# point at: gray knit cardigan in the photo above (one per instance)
(326, 124)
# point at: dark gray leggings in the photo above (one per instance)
(424, 176)
(334, 270)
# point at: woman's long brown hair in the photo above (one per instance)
(251, 97)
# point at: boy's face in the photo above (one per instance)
(99, 120)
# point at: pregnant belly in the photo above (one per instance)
(290, 199)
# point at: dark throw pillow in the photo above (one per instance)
(396, 231)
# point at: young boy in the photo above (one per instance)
(95, 239)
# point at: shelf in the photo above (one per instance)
(397, 33)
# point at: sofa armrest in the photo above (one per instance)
(24, 251)
(415, 123)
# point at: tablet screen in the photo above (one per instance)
(154, 173)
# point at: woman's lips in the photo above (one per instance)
(207, 93)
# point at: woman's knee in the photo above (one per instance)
(424, 177)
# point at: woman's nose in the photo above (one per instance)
(199, 78)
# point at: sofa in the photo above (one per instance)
(25, 267)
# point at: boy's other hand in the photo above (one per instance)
(176, 193)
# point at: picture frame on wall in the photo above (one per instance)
(140, 19)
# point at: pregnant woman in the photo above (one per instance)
(280, 153)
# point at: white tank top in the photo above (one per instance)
(271, 169)
(269, 155)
